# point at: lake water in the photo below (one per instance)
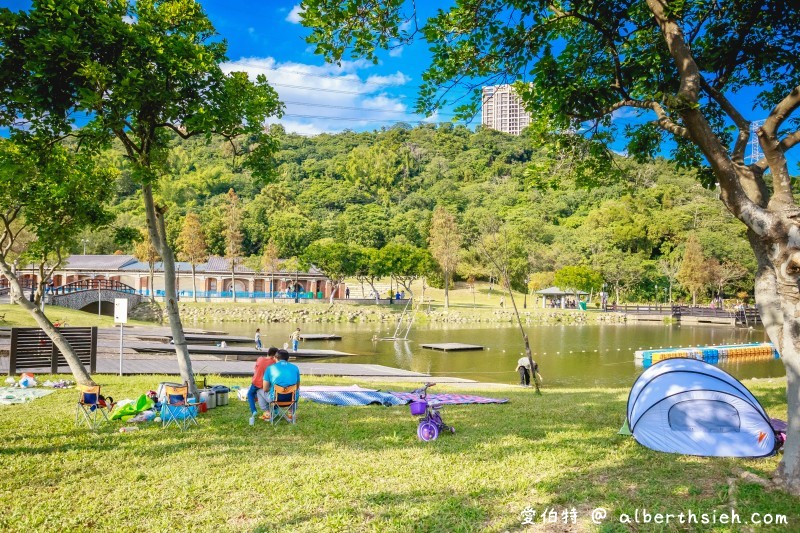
(582, 355)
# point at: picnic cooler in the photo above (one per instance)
(221, 393)
(160, 392)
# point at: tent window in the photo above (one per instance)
(707, 416)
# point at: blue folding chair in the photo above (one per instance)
(176, 407)
(92, 409)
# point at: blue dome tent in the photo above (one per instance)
(690, 407)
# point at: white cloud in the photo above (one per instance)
(433, 119)
(127, 19)
(624, 113)
(331, 98)
(294, 14)
(395, 50)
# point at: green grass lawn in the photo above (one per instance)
(362, 468)
(17, 316)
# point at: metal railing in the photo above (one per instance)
(91, 285)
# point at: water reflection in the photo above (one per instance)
(583, 355)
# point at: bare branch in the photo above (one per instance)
(767, 137)
(182, 133)
(663, 121)
(742, 123)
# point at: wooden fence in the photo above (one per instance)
(32, 349)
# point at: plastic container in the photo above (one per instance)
(128, 429)
(209, 397)
(418, 407)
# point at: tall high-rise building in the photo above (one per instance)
(503, 111)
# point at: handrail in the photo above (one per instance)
(91, 284)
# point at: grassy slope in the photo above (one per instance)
(17, 316)
(358, 468)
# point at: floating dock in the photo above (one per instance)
(453, 347)
(711, 354)
(198, 339)
(228, 351)
(320, 337)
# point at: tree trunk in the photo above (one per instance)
(17, 296)
(406, 283)
(194, 283)
(157, 229)
(778, 304)
(272, 286)
(446, 290)
(233, 280)
(151, 281)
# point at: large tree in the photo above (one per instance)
(445, 244)
(233, 236)
(142, 72)
(694, 71)
(694, 272)
(145, 252)
(270, 262)
(334, 259)
(48, 194)
(192, 246)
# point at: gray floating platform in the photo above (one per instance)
(453, 347)
(190, 337)
(229, 350)
(320, 337)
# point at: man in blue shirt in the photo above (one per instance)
(283, 374)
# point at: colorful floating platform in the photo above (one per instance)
(711, 354)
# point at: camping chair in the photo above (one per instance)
(92, 408)
(284, 404)
(176, 408)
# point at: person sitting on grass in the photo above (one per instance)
(281, 374)
(257, 383)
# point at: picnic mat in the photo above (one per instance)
(450, 399)
(9, 395)
(353, 395)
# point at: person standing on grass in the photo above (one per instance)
(523, 367)
(258, 339)
(257, 383)
(295, 338)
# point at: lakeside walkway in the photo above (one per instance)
(169, 366)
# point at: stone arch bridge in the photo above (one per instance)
(89, 294)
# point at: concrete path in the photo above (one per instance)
(169, 366)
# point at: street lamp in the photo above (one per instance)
(84, 241)
(656, 298)
(604, 298)
(527, 288)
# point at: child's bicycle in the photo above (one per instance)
(430, 425)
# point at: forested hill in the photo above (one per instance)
(377, 187)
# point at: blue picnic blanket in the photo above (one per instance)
(350, 397)
(9, 395)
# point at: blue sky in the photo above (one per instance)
(267, 38)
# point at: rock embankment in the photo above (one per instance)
(370, 314)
